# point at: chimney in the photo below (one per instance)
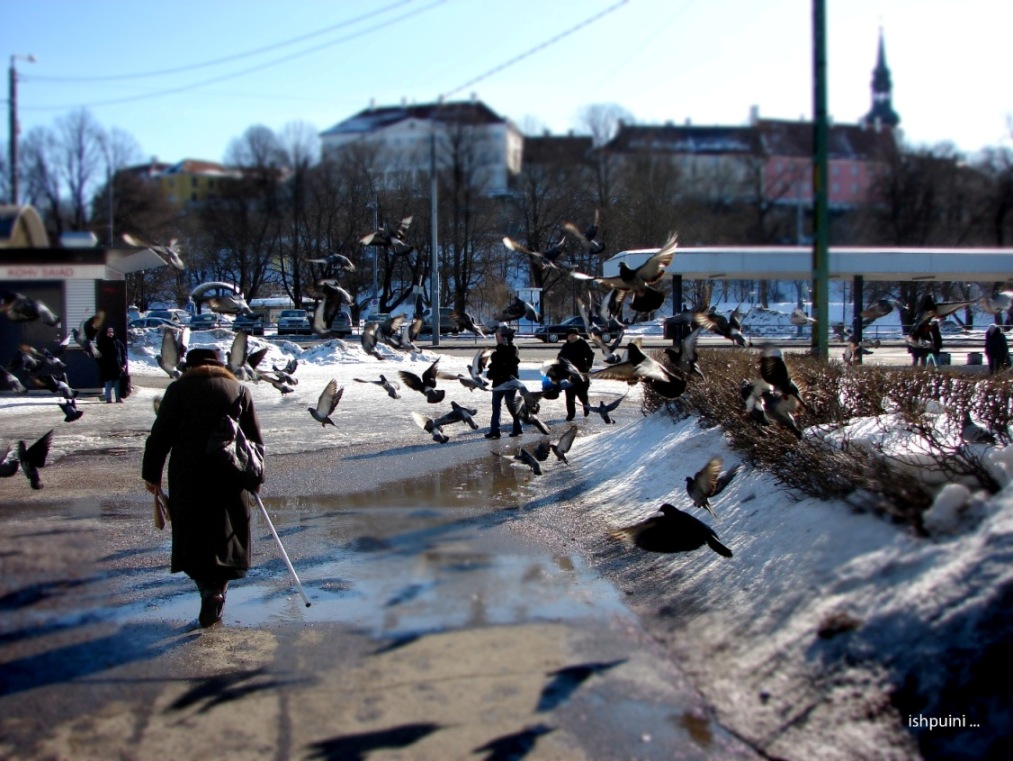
(372, 103)
(754, 115)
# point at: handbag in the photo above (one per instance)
(162, 515)
(125, 386)
(238, 459)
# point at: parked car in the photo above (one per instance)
(170, 315)
(151, 322)
(252, 324)
(206, 321)
(294, 322)
(557, 331)
(447, 322)
(341, 325)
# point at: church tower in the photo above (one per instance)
(882, 113)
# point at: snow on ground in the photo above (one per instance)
(916, 619)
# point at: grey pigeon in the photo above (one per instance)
(430, 426)
(32, 458)
(973, 433)
(426, 384)
(335, 260)
(708, 482)
(20, 308)
(86, 335)
(604, 409)
(327, 403)
(545, 447)
(229, 304)
(774, 372)
(727, 327)
(525, 457)
(684, 358)
(550, 257)
(333, 296)
(524, 412)
(390, 237)
(70, 411)
(171, 359)
(587, 237)
(390, 387)
(9, 382)
(459, 414)
(672, 531)
(8, 465)
(168, 253)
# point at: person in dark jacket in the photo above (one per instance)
(504, 365)
(579, 352)
(112, 363)
(996, 349)
(210, 514)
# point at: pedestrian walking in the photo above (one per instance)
(579, 352)
(504, 366)
(209, 510)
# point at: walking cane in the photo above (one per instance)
(284, 554)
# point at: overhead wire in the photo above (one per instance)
(226, 59)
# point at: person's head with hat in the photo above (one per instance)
(203, 358)
(504, 333)
(572, 334)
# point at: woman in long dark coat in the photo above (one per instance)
(112, 363)
(211, 538)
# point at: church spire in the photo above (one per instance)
(882, 112)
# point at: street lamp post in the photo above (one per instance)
(13, 112)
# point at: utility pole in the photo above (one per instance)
(821, 217)
(14, 130)
(434, 275)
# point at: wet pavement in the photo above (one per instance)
(436, 631)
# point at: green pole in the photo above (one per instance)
(821, 232)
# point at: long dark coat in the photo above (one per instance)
(210, 518)
(503, 363)
(113, 359)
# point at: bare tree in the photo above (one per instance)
(79, 140)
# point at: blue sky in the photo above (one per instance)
(214, 68)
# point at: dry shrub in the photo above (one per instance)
(834, 395)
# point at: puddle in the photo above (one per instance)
(408, 557)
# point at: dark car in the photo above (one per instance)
(447, 323)
(206, 321)
(557, 331)
(251, 324)
(341, 325)
(152, 322)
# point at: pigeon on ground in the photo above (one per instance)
(672, 531)
(545, 446)
(587, 238)
(425, 385)
(70, 410)
(973, 433)
(17, 307)
(430, 426)
(390, 387)
(327, 403)
(32, 458)
(168, 253)
(335, 260)
(708, 482)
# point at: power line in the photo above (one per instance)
(531, 51)
(244, 72)
(227, 59)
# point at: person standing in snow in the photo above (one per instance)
(996, 349)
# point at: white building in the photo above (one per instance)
(490, 145)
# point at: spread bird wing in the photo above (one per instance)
(329, 398)
(237, 354)
(566, 440)
(37, 453)
(705, 480)
(170, 349)
(429, 376)
(411, 380)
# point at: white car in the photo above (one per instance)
(294, 321)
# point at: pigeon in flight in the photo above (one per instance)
(588, 237)
(425, 385)
(799, 318)
(32, 458)
(727, 327)
(168, 253)
(997, 301)
(9, 382)
(327, 403)
(240, 361)
(516, 310)
(708, 482)
(20, 308)
(369, 339)
(172, 359)
(430, 426)
(8, 465)
(524, 457)
(70, 410)
(229, 304)
(390, 237)
(774, 372)
(542, 259)
(459, 414)
(56, 384)
(684, 358)
(332, 296)
(640, 280)
(560, 448)
(86, 335)
(604, 409)
(638, 367)
(335, 260)
(390, 387)
(524, 412)
(881, 308)
(672, 531)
